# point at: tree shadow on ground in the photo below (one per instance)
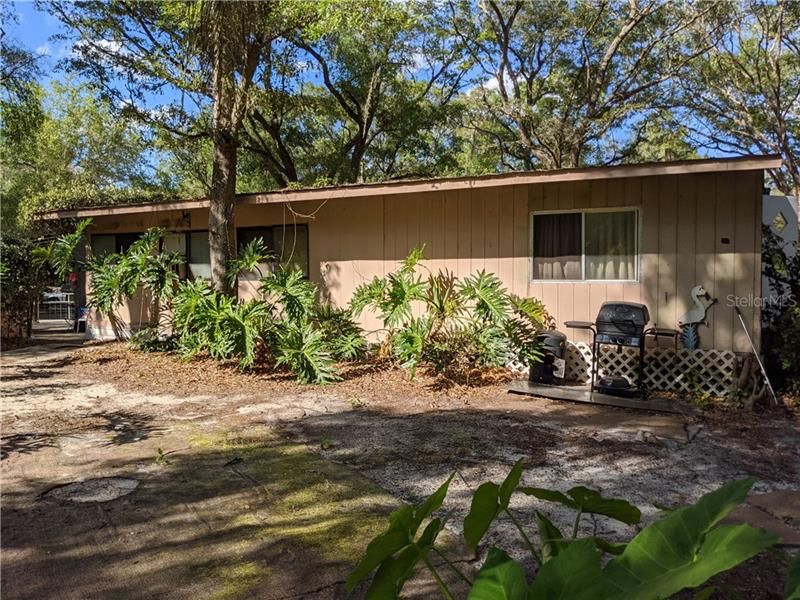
(244, 515)
(118, 427)
(266, 514)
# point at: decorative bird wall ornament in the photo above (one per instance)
(690, 322)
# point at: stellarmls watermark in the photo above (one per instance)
(751, 300)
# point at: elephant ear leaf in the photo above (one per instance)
(431, 504)
(500, 578)
(483, 510)
(686, 548)
(573, 574)
(590, 501)
(792, 591)
(552, 540)
(392, 574)
(510, 483)
(380, 549)
(549, 495)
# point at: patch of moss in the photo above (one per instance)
(199, 440)
(235, 579)
(303, 498)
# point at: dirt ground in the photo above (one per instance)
(251, 486)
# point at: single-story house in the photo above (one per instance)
(574, 238)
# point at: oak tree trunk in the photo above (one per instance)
(222, 200)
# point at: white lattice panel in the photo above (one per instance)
(712, 371)
(517, 367)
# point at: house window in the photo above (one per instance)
(103, 244)
(245, 235)
(289, 243)
(592, 245)
(108, 243)
(198, 254)
(125, 241)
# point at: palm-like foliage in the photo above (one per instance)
(467, 323)
(490, 297)
(205, 320)
(344, 337)
(404, 288)
(116, 277)
(409, 343)
(490, 346)
(368, 295)
(414, 258)
(159, 274)
(393, 296)
(443, 299)
(527, 320)
(302, 349)
(294, 294)
(249, 259)
(61, 250)
(106, 291)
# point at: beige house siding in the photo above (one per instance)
(683, 220)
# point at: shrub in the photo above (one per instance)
(292, 296)
(287, 323)
(205, 320)
(151, 339)
(302, 348)
(782, 333)
(20, 280)
(343, 336)
(25, 268)
(682, 550)
(470, 323)
(120, 276)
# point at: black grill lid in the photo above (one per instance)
(627, 314)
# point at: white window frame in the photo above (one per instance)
(583, 212)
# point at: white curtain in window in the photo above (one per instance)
(610, 245)
(199, 255)
(557, 246)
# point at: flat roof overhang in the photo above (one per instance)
(365, 190)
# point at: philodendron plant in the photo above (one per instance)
(682, 550)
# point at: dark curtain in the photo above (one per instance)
(557, 246)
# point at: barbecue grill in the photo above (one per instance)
(621, 324)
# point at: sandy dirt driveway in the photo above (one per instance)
(271, 490)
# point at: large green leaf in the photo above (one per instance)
(572, 575)
(589, 501)
(792, 589)
(490, 297)
(392, 574)
(551, 539)
(429, 534)
(549, 495)
(610, 547)
(394, 552)
(482, 511)
(431, 504)
(684, 549)
(510, 483)
(384, 545)
(500, 578)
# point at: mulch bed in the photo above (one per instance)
(160, 372)
(163, 372)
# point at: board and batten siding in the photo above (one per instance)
(695, 229)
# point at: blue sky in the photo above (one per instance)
(34, 29)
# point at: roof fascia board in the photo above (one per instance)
(446, 184)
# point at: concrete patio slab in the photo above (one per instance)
(585, 395)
